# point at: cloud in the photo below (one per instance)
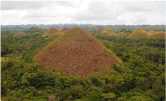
(141, 5)
(31, 5)
(90, 12)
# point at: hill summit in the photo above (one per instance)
(19, 35)
(53, 32)
(157, 35)
(100, 30)
(65, 30)
(92, 29)
(107, 32)
(34, 29)
(77, 52)
(139, 34)
(121, 34)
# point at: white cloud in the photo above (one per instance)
(91, 12)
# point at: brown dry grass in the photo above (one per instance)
(65, 30)
(53, 32)
(139, 34)
(19, 35)
(157, 35)
(121, 34)
(77, 52)
(142, 34)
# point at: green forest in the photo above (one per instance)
(141, 77)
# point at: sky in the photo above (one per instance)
(83, 12)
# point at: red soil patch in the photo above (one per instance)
(19, 35)
(77, 52)
(53, 32)
(100, 30)
(65, 30)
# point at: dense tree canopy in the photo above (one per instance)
(140, 78)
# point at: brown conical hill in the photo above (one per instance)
(34, 29)
(139, 34)
(110, 31)
(60, 28)
(157, 35)
(65, 30)
(77, 52)
(92, 29)
(100, 30)
(19, 35)
(107, 32)
(121, 34)
(53, 32)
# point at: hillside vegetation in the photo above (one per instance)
(19, 35)
(141, 77)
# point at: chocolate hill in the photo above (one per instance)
(92, 29)
(34, 29)
(60, 29)
(121, 34)
(157, 35)
(100, 30)
(139, 34)
(53, 32)
(107, 32)
(77, 52)
(110, 31)
(65, 30)
(19, 35)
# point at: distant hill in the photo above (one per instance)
(107, 32)
(77, 52)
(157, 35)
(100, 30)
(142, 34)
(92, 29)
(139, 34)
(121, 34)
(19, 35)
(35, 29)
(65, 30)
(53, 32)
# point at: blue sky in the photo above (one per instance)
(84, 11)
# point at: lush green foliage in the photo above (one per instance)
(140, 78)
